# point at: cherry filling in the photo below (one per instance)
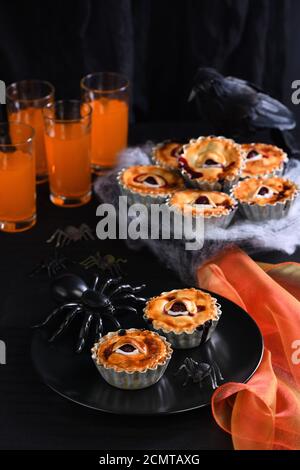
(202, 200)
(263, 190)
(210, 162)
(252, 154)
(151, 180)
(176, 151)
(128, 348)
(184, 164)
(178, 307)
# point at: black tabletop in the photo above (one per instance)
(31, 415)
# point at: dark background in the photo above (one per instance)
(158, 44)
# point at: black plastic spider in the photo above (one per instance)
(94, 303)
(198, 371)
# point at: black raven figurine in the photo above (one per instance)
(236, 107)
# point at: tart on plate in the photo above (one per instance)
(211, 163)
(132, 359)
(215, 207)
(263, 160)
(149, 183)
(186, 317)
(265, 198)
(166, 154)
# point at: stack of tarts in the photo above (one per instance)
(133, 359)
(211, 177)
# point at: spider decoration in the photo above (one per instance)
(198, 371)
(105, 263)
(71, 233)
(52, 266)
(96, 303)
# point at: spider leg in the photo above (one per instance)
(217, 371)
(99, 329)
(109, 282)
(84, 331)
(56, 233)
(54, 314)
(133, 297)
(213, 379)
(97, 278)
(112, 319)
(182, 367)
(126, 307)
(126, 288)
(60, 239)
(65, 323)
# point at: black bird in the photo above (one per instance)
(235, 108)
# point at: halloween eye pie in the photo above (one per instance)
(212, 163)
(263, 160)
(166, 154)
(265, 198)
(132, 359)
(186, 317)
(149, 183)
(217, 208)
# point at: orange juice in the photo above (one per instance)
(34, 117)
(68, 155)
(109, 130)
(17, 186)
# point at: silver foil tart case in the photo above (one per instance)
(134, 380)
(193, 339)
(134, 197)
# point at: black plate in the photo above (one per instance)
(236, 347)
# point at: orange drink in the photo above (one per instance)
(25, 102)
(67, 138)
(17, 178)
(107, 94)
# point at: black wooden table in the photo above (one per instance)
(31, 415)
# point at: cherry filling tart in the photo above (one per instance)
(132, 359)
(186, 317)
(265, 198)
(149, 181)
(211, 162)
(214, 206)
(166, 154)
(263, 160)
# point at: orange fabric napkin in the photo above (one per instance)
(264, 413)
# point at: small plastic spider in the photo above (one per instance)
(52, 265)
(198, 371)
(101, 301)
(71, 233)
(104, 263)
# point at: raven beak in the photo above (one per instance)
(192, 95)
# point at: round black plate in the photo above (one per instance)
(236, 347)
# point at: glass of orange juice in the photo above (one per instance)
(108, 95)
(25, 102)
(67, 138)
(17, 177)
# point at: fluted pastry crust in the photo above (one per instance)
(151, 349)
(262, 159)
(211, 159)
(202, 203)
(166, 154)
(200, 307)
(151, 179)
(263, 191)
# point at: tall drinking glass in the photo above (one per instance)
(17, 177)
(67, 137)
(108, 95)
(25, 102)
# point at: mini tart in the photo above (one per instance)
(212, 163)
(263, 160)
(186, 317)
(166, 154)
(265, 198)
(149, 183)
(214, 206)
(132, 359)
